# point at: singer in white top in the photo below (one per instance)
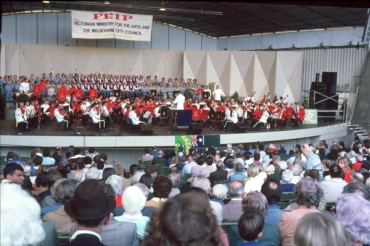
(218, 93)
(230, 119)
(95, 117)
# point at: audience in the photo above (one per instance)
(250, 227)
(272, 191)
(231, 211)
(162, 188)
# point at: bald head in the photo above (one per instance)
(236, 189)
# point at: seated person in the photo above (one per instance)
(20, 117)
(134, 118)
(250, 228)
(95, 117)
(61, 117)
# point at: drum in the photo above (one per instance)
(204, 115)
(189, 93)
(195, 115)
(17, 95)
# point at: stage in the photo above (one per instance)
(49, 135)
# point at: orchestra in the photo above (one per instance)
(107, 98)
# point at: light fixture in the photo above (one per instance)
(162, 9)
(106, 2)
(46, 1)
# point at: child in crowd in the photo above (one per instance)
(250, 227)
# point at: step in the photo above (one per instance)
(353, 125)
(362, 131)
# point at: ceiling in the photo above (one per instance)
(221, 19)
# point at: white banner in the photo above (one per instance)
(99, 25)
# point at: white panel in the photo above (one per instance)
(9, 29)
(209, 43)
(65, 30)
(176, 39)
(159, 37)
(12, 59)
(27, 29)
(142, 44)
(2, 60)
(193, 41)
(173, 64)
(86, 42)
(47, 28)
(124, 44)
(106, 43)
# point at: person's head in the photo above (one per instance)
(306, 149)
(137, 175)
(37, 160)
(343, 162)
(21, 214)
(53, 175)
(219, 191)
(133, 168)
(116, 182)
(191, 209)
(320, 229)
(250, 226)
(272, 190)
(257, 156)
(255, 201)
(358, 188)
(209, 161)
(219, 164)
(63, 189)
(270, 169)
(143, 188)
(46, 152)
(239, 167)
(133, 199)
(313, 173)
(107, 172)
(253, 171)
(91, 205)
(307, 192)
(93, 173)
(152, 170)
(162, 187)
(201, 182)
(236, 189)
(175, 179)
(335, 171)
(78, 176)
(352, 211)
(14, 173)
(287, 176)
(147, 179)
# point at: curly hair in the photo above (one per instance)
(307, 192)
(255, 201)
(166, 227)
(162, 187)
(353, 217)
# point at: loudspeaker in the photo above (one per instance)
(329, 77)
(194, 128)
(146, 130)
(239, 127)
(332, 104)
(331, 89)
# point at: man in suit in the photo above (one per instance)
(159, 159)
(219, 174)
(90, 208)
(232, 210)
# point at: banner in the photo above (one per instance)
(188, 142)
(100, 25)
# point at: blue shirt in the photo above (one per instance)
(237, 176)
(274, 215)
(314, 162)
(254, 243)
(187, 168)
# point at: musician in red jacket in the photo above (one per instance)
(300, 116)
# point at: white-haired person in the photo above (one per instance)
(320, 229)
(137, 175)
(63, 193)
(219, 193)
(353, 210)
(133, 200)
(297, 171)
(175, 180)
(253, 182)
(20, 217)
(116, 182)
(93, 173)
(286, 179)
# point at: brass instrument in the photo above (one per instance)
(25, 115)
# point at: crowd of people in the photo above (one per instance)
(132, 99)
(95, 201)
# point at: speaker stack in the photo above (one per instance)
(330, 79)
(194, 129)
(146, 130)
(239, 127)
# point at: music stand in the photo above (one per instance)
(206, 95)
(117, 93)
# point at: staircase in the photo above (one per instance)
(358, 131)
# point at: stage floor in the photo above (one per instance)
(7, 127)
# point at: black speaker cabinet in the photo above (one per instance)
(194, 129)
(329, 77)
(146, 130)
(239, 127)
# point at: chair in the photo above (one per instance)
(226, 225)
(146, 163)
(61, 123)
(185, 178)
(220, 182)
(63, 239)
(329, 205)
(78, 123)
(285, 199)
(283, 157)
(163, 170)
